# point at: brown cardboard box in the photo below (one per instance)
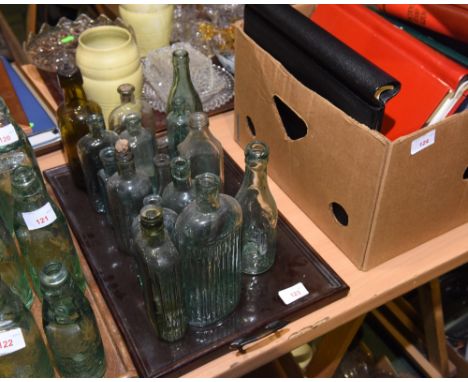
(393, 200)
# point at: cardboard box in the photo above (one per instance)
(372, 197)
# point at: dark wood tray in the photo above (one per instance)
(296, 261)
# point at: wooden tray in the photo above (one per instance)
(296, 261)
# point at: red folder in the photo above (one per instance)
(428, 79)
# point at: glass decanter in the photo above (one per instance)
(125, 190)
(208, 238)
(162, 163)
(180, 192)
(182, 85)
(89, 147)
(71, 117)
(41, 228)
(177, 125)
(259, 212)
(203, 150)
(141, 143)
(161, 269)
(70, 326)
(26, 354)
(109, 168)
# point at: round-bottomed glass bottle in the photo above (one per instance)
(208, 239)
(162, 274)
(177, 122)
(70, 326)
(259, 212)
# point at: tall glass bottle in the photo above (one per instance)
(182, 85)
(259, 211)
(71, 117)
(26, 355)
(89, 147)
(162, 163)
(177, 125)
(142, 144)
(180, 192)
(70, 326)
(41, 228)
(109, 168)
(203, 150)
(162, 273)
(126, 190)
(208, 238)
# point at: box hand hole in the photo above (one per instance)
(293, 125)
(339, 213)
(465, 174)
(251, 126)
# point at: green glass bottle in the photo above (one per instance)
(162, 163)
(177, 125)
(25, 354)
(41, 228)
(11, 270)
(89, 147)
(71, 117)
(162, 270)
(208, 238)
(259, 211)
(70, 326)
(109, 168)
(182, 85)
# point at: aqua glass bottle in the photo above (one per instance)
(163, 274)
(203, 150)
(70, 326)
(162, 163)
(41, 228)
(182, 85)
(89, 147)
(109, 168)
(11, 269)
(259, 211)
(180, 192)
(177, 122)
(142, 144)
(126, 190)
(208, 239)
(26, 354)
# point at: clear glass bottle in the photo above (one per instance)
(109, 168)
(162, 163)
(162, 144)
(208, 239)
(70, 326)
(41, 228)
(89, 147)
(143, 147)
(182, 85)
(162, 273)
(259, 212)
(11, 269)
(126, 190)
(180, 192)
(71, 117)
(203, 150)
(26, 356)
(177, 122)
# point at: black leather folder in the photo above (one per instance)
(321, 62)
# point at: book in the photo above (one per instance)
(429, 80)
(450, 20)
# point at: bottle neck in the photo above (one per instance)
(207, 197)
(127, 98)
(74, 92)
(256, 173)
(154, 236)
(29, 199)
(182, 184)
(126, 167)
(182, 72)
(110, 167)
(97, 132)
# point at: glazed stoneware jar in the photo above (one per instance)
(108, 57)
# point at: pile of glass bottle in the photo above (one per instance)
(31, 222)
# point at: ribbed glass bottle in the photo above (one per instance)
(180, 192)
(162, 163)
(109, 168)
(203, 150)
(182, 85)
(162, 273)
(41, 229)
(208, 239)
(71, 117)
(70, 326)
(26, 354)
(259, 212)
(89, 147)
(177, 125)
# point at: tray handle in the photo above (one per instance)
(268, 329)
